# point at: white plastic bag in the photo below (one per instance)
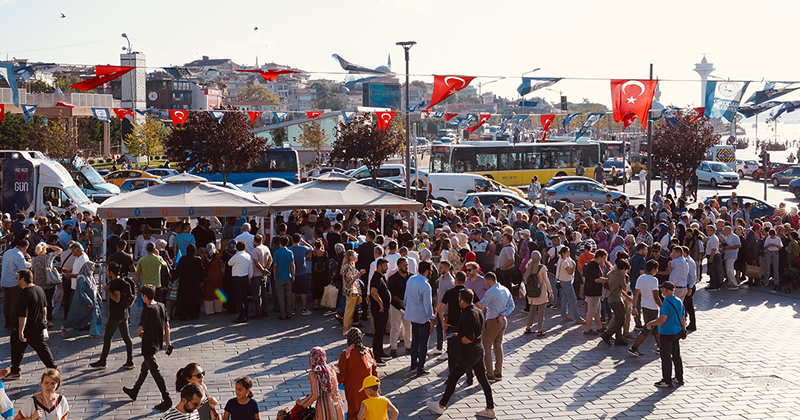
(330, 297)
(6, 408)
(523, 290)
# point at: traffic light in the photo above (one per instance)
(563, 103)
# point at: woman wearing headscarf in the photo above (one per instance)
(85, 308)
(212, 263)
(324, 388)
(356, 363)
(453, 255)
(191, 276)
(663, 237)
(602, 241)
(535, 273)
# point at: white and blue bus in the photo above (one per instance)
(273, 163)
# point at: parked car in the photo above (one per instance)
(794, 187)
(745, 167)
(227, 185)
(264, 184)
(103, 172)
(621, 166)
(133, 184)
(326, 169)
(716, 173)
(118, 177)
(580, 191)
(774, 168)
(393, 172)
(387, 185)
(785, 176)
(452, 187)
(758, 208)
(558, 179)
(489, 198)
(162, 172)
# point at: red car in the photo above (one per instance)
(774, 168)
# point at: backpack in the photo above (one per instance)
(579, 171)
(533, 286)
(127, 297)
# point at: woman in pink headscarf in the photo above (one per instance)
(324, 387)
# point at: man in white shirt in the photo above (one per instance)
(262, 259)
(242, 270)
(246, 237)
(712, 254)
(647, 289)
(679, 272)
(412, 263)
(731, 249)
(141, 242)
(392, 257)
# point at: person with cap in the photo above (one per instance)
(478, 245)
(470, 333)
(671, 323)
(375, 406)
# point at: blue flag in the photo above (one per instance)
(504, 118)
(7, 72)
(469, 117)
(279, 116)
(531, 104)
(590, 121)
(417, 106)
(771, 91)
(520, 118)
(219, 115)
(141, 112)
(25, 73)
(101, 114)
(348, 116)
(750, 110)
(529, 84)
(785, 107)
(28, 111)
(723, 98)
(568, 119)
(438, 114)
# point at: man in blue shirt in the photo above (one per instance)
(418, 301)
(65, 236)
(300, 250)
(283, 261)
(498, 304)
(671, 322)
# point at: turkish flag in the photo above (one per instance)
(546, 120)
(634, 96)
(313, 114)
(2, 112)
(481, 121)
(627, 120)
(178, 116)
(700, 112)
(450, 116)
(254, 115)
(444, 86)
(103, 74)
(384, 119)
(122, 112)
(65, 104)
(270, 75)
(424, 115)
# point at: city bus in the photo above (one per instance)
(272, 163)
(515, 165)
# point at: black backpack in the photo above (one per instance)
(127, 297)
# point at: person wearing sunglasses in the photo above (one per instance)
(193, 373)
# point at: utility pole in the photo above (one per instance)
(649, 161)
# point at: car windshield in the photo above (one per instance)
(719, 167)
(91, 174)
(76, 195)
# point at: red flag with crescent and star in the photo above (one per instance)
(270, 75)
(450, 116)
(627, 120)
(254, 115)
(444, 86)
(2, 112)
(634, 96)
(546, 120)
(701, 111)
(384, 119)
(122, 112)
(313, 114)
(481, 121)
(178, 116)
(65, 104)
(103, 74)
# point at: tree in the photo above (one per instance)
(680, 146)
(15, 134)
(225, 147)
(420, 84)
(257, 92)
(360, 141)
(146, 138)
(313, 136)
(64, 81)
(328, 95)
(58, 138)
(279, 136)
(40, 86)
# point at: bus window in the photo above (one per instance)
(464, 160)
(480, 185)
(440, 161)
(563, 158)
(509, 161)
(588, 155)
(532, 160)
(486, 161)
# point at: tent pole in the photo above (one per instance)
(415, 223)
(104, 251)
(383, 221)
(271, 230)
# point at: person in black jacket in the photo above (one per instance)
(379, 298)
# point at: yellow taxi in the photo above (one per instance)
(118, 177)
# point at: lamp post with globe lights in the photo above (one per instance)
(407, 46)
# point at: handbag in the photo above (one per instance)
(753, 271)
(330, 297)
(681, 334)
(53, 278)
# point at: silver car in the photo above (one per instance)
(785, 176)
(580, 191)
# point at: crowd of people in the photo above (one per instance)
(467, 269)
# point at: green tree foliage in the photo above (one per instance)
(40, 86)
(313, 136)
(59, 138)
(680, 146)
(279, 136)
(328, 95)
(15, 134)
(257, 92)
(420, 84)
(64, 82)
(360, 141)
(225, 147)
(146, 138)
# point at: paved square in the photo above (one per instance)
(742, 362)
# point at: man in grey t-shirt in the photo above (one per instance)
(505, 261)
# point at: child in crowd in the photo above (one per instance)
(375, 406)
(243, 407)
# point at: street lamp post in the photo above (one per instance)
(480, 85)
(407, 46)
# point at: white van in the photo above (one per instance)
(725, 154)
(453, 188)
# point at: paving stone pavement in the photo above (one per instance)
(742, 363)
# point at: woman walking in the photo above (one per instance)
(324, 387)
(85, 308)
(356, 363)
(191, 276)
(319, 273)
(352, 289)
(536, 279)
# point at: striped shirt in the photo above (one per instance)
(174, 414)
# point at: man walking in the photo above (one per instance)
(498, 304)
(153, 330)
(647, 291)
(399, 325)
(14, 260)
(148, 270)
(672, 318)
(31, 321)
(242, 270)
(617, 299)
(379, 307)
(283, 262)
(262, 259)
(118, 314)
(418, 301)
